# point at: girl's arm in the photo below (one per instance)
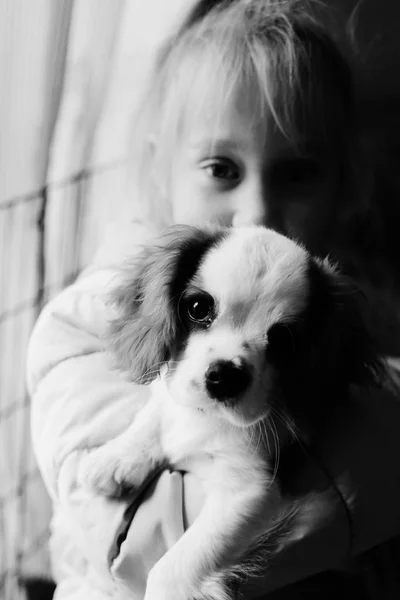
(79, 402)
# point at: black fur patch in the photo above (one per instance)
(192, 247)
(325, 350)
(148, 331)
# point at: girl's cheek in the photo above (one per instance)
(192, 211)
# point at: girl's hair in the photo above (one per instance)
(279, 50)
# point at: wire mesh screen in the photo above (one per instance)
(45, 239)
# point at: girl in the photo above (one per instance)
(248, 119)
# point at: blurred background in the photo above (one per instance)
(71, 73)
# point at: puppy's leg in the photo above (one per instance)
(126, 462)
(217, 539)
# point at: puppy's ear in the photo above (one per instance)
(147, 330)
(340, 314)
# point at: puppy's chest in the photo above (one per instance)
(215, 451)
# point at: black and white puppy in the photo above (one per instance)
(234, 329)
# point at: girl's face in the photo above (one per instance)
(228, 171)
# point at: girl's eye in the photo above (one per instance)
(200, 308)
(222, 169)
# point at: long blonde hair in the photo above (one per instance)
(278, 49)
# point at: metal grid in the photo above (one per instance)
(41, 251)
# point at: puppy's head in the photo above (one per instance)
(245, 319)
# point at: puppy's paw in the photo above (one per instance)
(111, 474)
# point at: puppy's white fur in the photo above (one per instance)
(257, 278)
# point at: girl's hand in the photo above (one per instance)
(173, 502)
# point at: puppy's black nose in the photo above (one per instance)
(225, 380)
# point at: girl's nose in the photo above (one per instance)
(251, 207)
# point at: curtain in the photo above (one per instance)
(71, 72)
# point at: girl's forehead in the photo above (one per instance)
(233, 125)
(213, 108)
(242, 123)
(233, 129)
(210, 107)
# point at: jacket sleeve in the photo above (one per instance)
(80, 402)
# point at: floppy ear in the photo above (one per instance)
(147, 330)
(343, 328)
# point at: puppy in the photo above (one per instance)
(237, 331)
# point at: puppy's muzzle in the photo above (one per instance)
(226, 380)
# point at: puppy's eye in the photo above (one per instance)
(281, 340)
(200, 308)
